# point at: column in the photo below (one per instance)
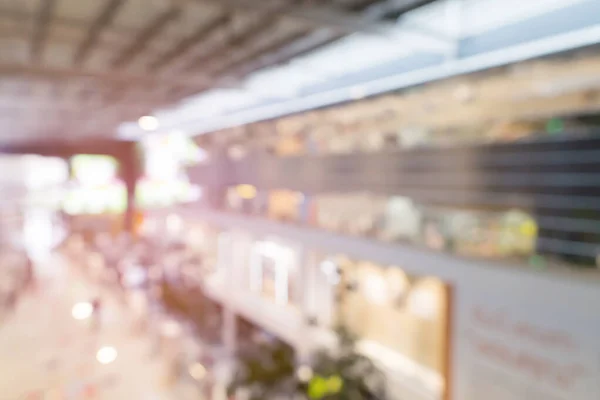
(307, 303)
(130, 171)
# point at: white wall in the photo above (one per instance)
(520, 336)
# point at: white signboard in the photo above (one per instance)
(520, 336)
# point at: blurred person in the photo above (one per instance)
(29, 281)
(9, 283)
(97, 313)
(139, 305)
(11, 300)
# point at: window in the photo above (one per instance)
(272, 271)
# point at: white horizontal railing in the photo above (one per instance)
(412, 259)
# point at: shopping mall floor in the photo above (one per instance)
(46, 354)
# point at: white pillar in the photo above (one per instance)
(307, 303)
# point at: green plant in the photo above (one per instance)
(265, 371)
(269, 371)
(345, 374)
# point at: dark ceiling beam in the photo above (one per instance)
(47, 73)
(68, 148)
(187, 43)
(322, 15)
(49, 106)
(249, 58)
(233, 42)
(294, 48)
(25, 18)
(104, 19)
(395, 8)
(312, 41)
(41, 27)
(153, 29)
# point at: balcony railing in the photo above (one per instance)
(556, 181)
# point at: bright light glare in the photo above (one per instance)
(330, 269)
(106, 355)
(81, 311)
(197, 371)
(276, 251)
(148, 123)
(304, 373)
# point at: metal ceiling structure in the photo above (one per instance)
(80, 68)
(435, 41)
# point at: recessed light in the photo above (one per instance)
(81, 311)
(106, 355)
(148, 123)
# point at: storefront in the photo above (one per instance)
(401, 320)
(274, 272)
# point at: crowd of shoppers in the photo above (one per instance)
(134, 272)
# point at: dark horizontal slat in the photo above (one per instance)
(567, 247)
(152, 30)
(569, 224)
(201, 33)
(538, 159)
(566, 183)
(559, 175)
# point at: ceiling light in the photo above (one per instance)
(106, 355)
(81, 311)
(148, 123)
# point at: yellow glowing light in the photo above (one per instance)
(529, 228)
(246, 191)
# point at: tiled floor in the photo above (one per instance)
(46, 354)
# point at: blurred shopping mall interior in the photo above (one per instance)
(300, 199)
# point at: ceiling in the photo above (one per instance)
(433, 42)
(79, 68)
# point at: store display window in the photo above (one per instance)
(285, 205)
(247, 199)
(404, 313)
(402, 220)
(164, 181)
(480, 234)
(273, 272)
(359, 214)
(95, 187)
